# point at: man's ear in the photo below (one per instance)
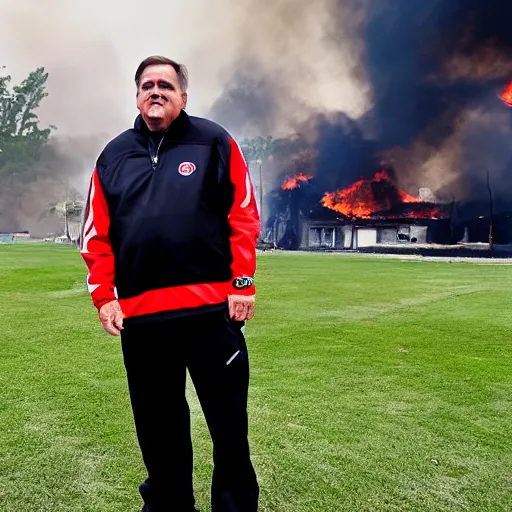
(184, 98)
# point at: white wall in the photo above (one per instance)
(366, 237)
(347, 237)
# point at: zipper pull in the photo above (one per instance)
(154, 158)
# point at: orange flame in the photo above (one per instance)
(407, 198)
(354, 201)
(295, 182)
(360, 201)
(506, 95)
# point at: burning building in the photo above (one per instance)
(378, 197)
(368, 212)
(425, 88)
(329, 207)
(376, 213)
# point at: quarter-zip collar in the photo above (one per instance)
(155, 140)
(154, 144)
(175, 131)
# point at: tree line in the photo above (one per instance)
(25, 152)
(22, 140)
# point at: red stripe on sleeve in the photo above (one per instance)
(95, 246)
(244, 220)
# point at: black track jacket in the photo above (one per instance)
(171, 220)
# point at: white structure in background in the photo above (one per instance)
(337, 235)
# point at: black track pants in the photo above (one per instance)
(156, 356)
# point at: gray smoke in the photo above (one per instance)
(419, 80)
(91, 49)
(294, 59)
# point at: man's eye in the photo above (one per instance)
(165, 85)
(147, 85)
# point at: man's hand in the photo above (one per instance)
(241, 307)
(111, 317)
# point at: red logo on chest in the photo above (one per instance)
(186, 168)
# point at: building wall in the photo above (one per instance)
(366, 237)
(408, 233)
(318, 235)
(334, 235)
(420, 233)
(347, 233)
(387, 235)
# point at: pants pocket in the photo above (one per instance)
(237, 345)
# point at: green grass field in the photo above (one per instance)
(377, 385)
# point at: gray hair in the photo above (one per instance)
(153, 60)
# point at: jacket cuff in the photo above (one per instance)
(102, 295)
(242, 285)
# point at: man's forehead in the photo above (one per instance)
(159, 72)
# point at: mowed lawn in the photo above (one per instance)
(377, 385)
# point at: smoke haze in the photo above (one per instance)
(415, 82)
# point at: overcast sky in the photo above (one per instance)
(92, 48)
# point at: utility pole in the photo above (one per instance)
(261, 189)
(66, 223)
(491, 209)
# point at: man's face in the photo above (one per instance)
(160, 98)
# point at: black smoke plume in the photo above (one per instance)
(435, 71)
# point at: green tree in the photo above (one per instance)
(258, 149)
(22, 141)
(17, 116)
(21, 138)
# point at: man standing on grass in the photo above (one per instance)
(169, 239)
